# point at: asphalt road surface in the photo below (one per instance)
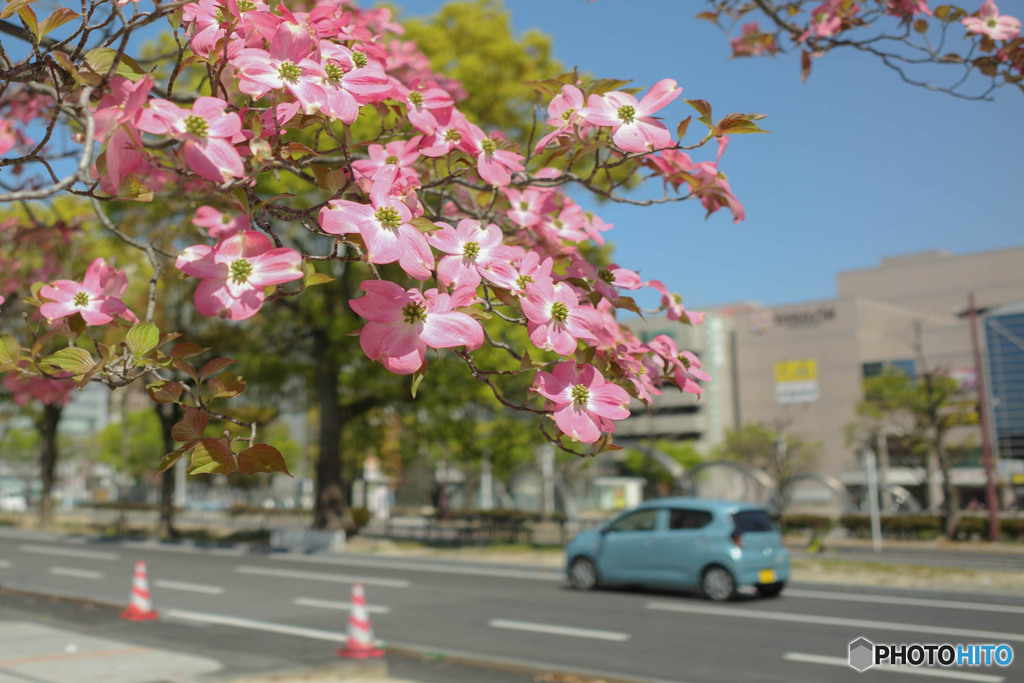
(275, 605)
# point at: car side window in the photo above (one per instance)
(641, 520)
(680, 518)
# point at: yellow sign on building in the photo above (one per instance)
(796, 371)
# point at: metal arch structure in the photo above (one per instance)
(758, 476)
(671, 465)
(829, 482)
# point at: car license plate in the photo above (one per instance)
(767, 576)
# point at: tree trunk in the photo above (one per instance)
(169, 414)
(47, 427)
(948, 489)
(330, 484)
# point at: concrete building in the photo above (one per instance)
(800, 367)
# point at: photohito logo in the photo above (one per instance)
(864, 654)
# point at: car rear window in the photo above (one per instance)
(752, 520)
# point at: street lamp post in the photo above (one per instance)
(991, 501)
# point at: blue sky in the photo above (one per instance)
(858, 164)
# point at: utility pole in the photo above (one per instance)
(991, 501)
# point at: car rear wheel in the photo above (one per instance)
(770, 590)
(718, 584)
(583, 574)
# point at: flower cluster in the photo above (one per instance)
(455, 230)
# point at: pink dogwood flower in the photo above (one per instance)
(555, 320)
(563, 114)
(584, 403)
(348, 79)
(235, 271)
(990, 23)
(96, 298)
(401, 154)
(674, 305)
(220, 226)
(207, 132)
(474, 252)
(384, 225)
(633, 129)
(286, 66)
(403, 323)
(495, 165)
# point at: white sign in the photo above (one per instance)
(796, 392)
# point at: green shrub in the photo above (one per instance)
(355, 519)
(1011, 528)
(912, 526)
(966, 527)
(819, 524)
(858, 525)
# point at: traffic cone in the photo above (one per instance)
(360, 643)
(140, 607)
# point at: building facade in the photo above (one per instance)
(800, 367)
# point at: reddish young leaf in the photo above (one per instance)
(261, 458)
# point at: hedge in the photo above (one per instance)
(818, 524)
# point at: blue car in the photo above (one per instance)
(714, 546)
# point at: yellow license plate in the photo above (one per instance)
(767, 576)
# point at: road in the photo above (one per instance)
(512, 614)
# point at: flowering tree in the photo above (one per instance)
(452, 235)
(980, 50)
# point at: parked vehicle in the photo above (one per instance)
(714, 546)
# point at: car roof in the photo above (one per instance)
(709, 504)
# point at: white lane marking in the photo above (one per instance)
(315, 634)
(149, 545)
(920, 671)
(69, 552)
(558, 630)
(988, 636)
(4, 564)
(322, 576)
(76, 573)
(189, 587)
(897, 600)
(504, 573)
(331, 604)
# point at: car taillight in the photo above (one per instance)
(736, 540)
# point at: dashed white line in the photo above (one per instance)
(433, 567)
(920, 671)
(188, 549)
(189, 587)
(835, 621)
(331, 604)
(69, 552)
(76, 573)
(322, 576)
(912, 602)
(551, 629)
(299, 631)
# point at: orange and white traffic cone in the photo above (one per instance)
(140, 607)
(360, 643)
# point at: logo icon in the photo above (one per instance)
(862, 654)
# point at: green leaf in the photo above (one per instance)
(167, 462)
(424, 224)
(681, 128)
(213, 456)
(702, 106)
(142, 339)
(60, 16)
(165, 392)
(186, 350)
(29, 17)
(416, 379)
(212, 367)
(921, 26)
(601, 86)
(133, 188)
(261, 458)
(13, 6)
(75, 360)
(226, 385)
(101, 59)
(317, 279)
(9, 349)
(191, 427)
